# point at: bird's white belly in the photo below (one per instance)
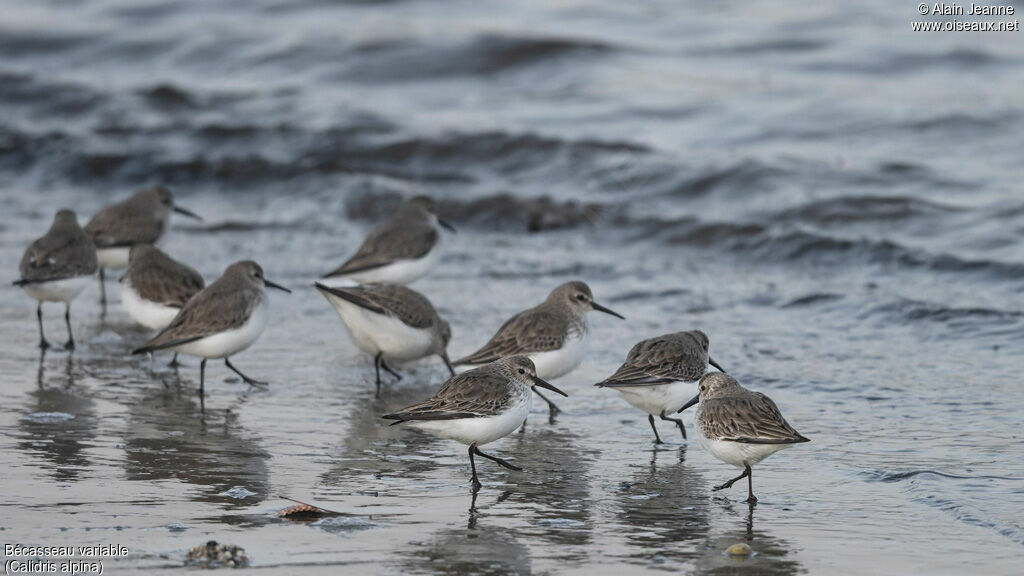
(374, 333)
(230, 342)
(399, 271)
(660, 398)
(737, 453)
(150, 314)
(481, 430)
(113, 258)
(64, 290)
(555, 363)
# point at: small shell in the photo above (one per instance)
(739, 550)
(300, 511)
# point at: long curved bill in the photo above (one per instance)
(446, 225)
(600, 308)
(270, 284)
(691, 402)
(715, 364)
(543, 384)
(188, 213)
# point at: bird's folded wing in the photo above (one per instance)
(659, 361)
(387, 243)
(209, 312)
(467, 395)
(525, 333)
(754, 420)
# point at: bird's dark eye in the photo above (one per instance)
(581, 297)
(521, 371)
(703, 388)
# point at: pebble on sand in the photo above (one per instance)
(739, 550)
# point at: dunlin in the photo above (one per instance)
(658, 374)
(400, 249)
(479, 406)
(739, 426)
(156, 287)
(390, 322)
(553, 334)
(56, 267)
(220, 321)
(140, 219)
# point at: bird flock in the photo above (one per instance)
(395, 324)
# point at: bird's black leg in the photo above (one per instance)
(751, 499)
(174, 361)
(678, 421)
(250, 381)
(385, 366)
(498, 460)
(202, 386)
(43, 344)
(553, 410)
(472, 464)
(746, 472)
(67, 320)
(103, 289)
(447, 362)
(657, 439)
(376, 367)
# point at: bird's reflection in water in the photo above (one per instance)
(482, 550)
(663, 509)
(59, 420)
(771, 555)
(167, 438)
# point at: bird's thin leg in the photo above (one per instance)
(472, 465)
(553, 410)
(384, 365)
(202, 386)
(103, 289)
(746, 472)
(678, 421)
(174, 361)
(376, 367)
(447, 362)
(751, 499)
(70, 345)
(248, 380)
(498, 460)
(43, 344)
(657, 439)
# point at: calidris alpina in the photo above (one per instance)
(479, 406)
(156, 287)
(140, 219)
(739, 426)
(553, 334)
(658, 374)
(56, 267)
(400, 249)
(220, 321)
(390, 322)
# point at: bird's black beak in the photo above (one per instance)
(600, 308)
(446, 225)
(715, 364)
(270, 284)
(692, 401)
(188, 213)
(543, 384)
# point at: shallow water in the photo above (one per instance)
(834, 199)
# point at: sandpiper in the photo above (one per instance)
(156, 287)
(56, 267)
(221, 320)
(140, 219)
(479, 406)
(739, 426)
(400, 249)
(553, 334)
(658, 373)
(390, 322)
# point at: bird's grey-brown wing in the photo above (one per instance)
(752, 418)
(530, 331)
(467, 395)
(124, 224)
(394, 239)
(219, 307)
(64, 252)
(409, 306)
(670, 358)
(166, 281)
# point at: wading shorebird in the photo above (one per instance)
(399, 250)
(140, 219)
(553, 334)
(390, 322)
(56, 267)
(479, 406)
(659, 374)
(739, 426)
(220, 321)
